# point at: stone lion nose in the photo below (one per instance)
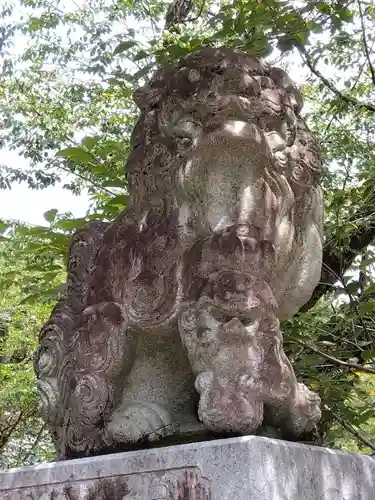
(242, 129)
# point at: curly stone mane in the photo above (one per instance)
(185, 101)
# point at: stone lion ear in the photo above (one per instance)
(280, 77)
(140, 97)
(147, 97)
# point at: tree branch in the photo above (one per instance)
(71, 141)
(348, 426)
(353, 366)
(336, 263)
(177, 12)
(6, 431)
(85, 179)
(37, 439)
(365, 46)
(345, 97)
(193, 19)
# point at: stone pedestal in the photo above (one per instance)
(248, 468)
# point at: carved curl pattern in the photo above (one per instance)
(223, 235)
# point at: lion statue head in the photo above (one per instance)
(220, 144)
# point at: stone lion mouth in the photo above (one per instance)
(233, 156)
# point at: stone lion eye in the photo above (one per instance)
(221, 316)
(246, 321)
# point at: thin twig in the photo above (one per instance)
(365, 46)
(353, 366)
(154, 26)
(348, 426)
(6, 432)
(192, 20)
(13, 424)
(353, 302)
(86, 179)
(358, 77)
(345, 97)
(341, 280)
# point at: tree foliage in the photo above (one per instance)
(68, 71)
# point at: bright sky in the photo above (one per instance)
(28, 205)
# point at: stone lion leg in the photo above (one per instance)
(78, 369)
(84, 354)
(216, 351)
(100, 359)
(243, 375)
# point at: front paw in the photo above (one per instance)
(138, 421)
(224, 408)
(301, 413)
(305, 410)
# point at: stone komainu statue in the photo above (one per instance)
(179, 299)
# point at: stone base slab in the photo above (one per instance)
(247, 468)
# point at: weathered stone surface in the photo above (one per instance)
(183, 292)
(248, 468)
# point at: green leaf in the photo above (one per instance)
(367, 307)
(366, 415)
(32, 298)
(323, 7)
(10, 274)
(50, 215)
(71, 224)
(353, 287)
(301, 37)
(370, 289)
(195, 43)
(140, 55)
(345, 14)
(4, 226)
(118, 183)
(143, 71)
(285, 45)
(368, 355)
(120, 200)
(90, 142)
(76, 154)
(121, 47)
